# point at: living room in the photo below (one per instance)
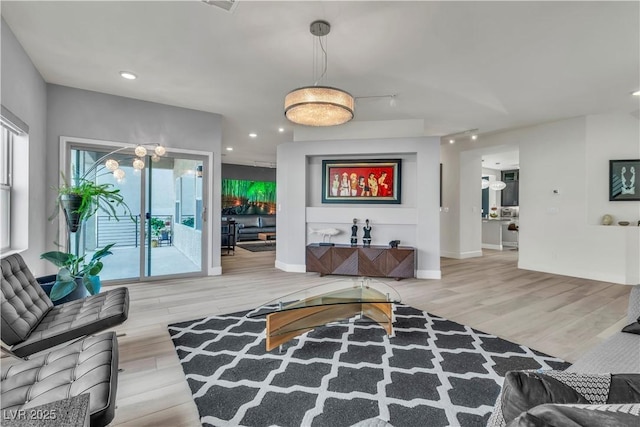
(540, 93)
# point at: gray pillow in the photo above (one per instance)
(267, 221)
(247, 221)
(633, 328)
(551, 415)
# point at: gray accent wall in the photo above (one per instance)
(415, 222)
(23, 92)
(248, 173)
(85, 114)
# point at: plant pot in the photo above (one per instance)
(47, 282)
(70, 204)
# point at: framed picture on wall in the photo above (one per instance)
(361, 181)
(624, 180)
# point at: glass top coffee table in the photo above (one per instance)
(350, 299)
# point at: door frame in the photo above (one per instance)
(69, 142)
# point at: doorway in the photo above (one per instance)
(500, 204)
(161, 232)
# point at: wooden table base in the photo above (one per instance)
(283, 326)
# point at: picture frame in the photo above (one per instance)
(362, 181)
(624, 180)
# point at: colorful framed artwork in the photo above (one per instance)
(242, 197)
(361, 181)
(624, 180)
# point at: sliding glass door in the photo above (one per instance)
(161, 233)
(174, 217)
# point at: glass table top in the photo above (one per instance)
(342, 291)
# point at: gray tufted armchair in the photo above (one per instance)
(30, 321)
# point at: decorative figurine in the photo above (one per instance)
(325, 232)
(354, 232)
(607, 219)
(366, 239)
(394, 243)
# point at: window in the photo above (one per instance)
(14, 182)
(6, 156)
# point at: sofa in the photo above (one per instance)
(601, 388)
(248, 226)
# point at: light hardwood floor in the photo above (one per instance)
(558, 315)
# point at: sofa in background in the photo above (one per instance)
(248, 226)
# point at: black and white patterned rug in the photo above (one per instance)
(432, 372)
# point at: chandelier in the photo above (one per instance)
(497, 185)
(319, 105)
(140, 151)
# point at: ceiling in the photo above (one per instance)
(456, 65)
(502, 160)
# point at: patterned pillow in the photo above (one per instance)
(633, 328)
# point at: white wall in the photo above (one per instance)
(609, 137)
(23, 92)
(558, 232)
(414, 222)
(84, 114)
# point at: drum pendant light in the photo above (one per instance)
(319, 105)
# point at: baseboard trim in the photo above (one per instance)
(461, 255)
(429, 274)
(601, 277)
(489, 246)
(291, 268)
(215, 271)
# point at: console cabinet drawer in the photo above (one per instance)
(371, 261)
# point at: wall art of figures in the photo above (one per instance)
(361, 181)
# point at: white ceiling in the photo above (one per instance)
(457, 65)
(501, 161)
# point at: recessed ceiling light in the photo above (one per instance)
(280, 130)
(253, 135)
(636, 93)
(474, 137)
(128, 75)
(229, 148)
(451, 141)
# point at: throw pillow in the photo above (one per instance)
(633, 328)
(549, 415)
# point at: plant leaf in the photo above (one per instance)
(64, 275)
(59, 259)
(96, 269)
(99, 254)
(64, 285)
(92, 283)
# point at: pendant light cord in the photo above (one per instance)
(324, 71)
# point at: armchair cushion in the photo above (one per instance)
(24, 303)
(75, 319)
(86, 366)
(30, 322)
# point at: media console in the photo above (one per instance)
(369, 261)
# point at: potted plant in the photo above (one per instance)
(83, 197)
(75, 271)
